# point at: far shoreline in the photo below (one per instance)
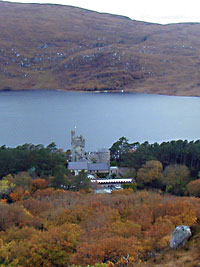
(123, 91)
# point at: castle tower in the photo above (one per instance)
(78, 147)
(104, 156)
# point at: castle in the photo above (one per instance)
(92, 162)
(77, 147)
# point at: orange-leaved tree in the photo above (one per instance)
(193, 188)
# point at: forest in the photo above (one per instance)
(168, 153)
(172, 167)
(54, 227)
(49, 217)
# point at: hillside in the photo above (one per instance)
(53, 227)
(64, 47)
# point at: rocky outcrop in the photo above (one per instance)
(180, 235)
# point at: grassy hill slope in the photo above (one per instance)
(63, 47)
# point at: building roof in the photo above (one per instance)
(98, 167)
(78, 165)
(84, 165)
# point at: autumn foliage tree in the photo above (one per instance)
(176, 177)
(193, 188)
(22, 179)
(6, 187)
(150, 173)
(38, 183)
(19, 193)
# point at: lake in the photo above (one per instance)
(40, 117)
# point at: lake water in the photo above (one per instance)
(40, 117)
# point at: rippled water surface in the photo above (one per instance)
(40, 117)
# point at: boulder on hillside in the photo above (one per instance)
(180, 236)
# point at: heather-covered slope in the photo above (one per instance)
(63, 47)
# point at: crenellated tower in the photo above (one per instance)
(78, 147)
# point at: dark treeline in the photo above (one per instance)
(168, 153)
(35, 166)
(44, 160)
(37, 159)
